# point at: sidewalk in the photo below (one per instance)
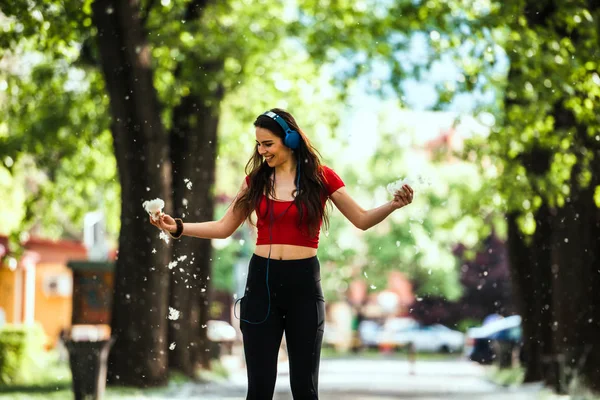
(363, 379)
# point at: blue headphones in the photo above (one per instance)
(292, 138)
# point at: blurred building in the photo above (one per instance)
(393, 301)
(38, 287)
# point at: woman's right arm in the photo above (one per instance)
(220, 229)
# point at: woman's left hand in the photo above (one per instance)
(403, 197)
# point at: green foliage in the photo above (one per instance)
(21, 348)
(13, 187)
(467, 323)
(547, 136)
(223, 263)
(417, 240)
(506, 376)
(55, 109)
(55, 132)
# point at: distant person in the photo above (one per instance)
(412, 358)
(357, 319)
(288, 187)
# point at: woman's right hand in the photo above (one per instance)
(164, 222)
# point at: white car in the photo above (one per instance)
(368, 332)
(433, 338)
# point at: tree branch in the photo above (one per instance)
(195, 9)
(147, 9)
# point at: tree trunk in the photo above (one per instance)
(193, 151)
(577, 281)
(589, 323)
(589, 362)
(524, 292)
(139, 356)
(543, 307)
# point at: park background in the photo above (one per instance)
(489, 107)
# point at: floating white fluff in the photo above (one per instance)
(154, 207)
(163, 236)
(393, 187)
(173, 314)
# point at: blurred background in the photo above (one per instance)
(489, 107)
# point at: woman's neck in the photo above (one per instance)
(286, 169)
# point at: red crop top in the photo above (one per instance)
(285, 228)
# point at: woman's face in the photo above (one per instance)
(271, 147)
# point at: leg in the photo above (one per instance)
(261, 347)
(305, 321)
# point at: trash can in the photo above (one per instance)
(88, 358)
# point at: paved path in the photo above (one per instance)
(383, 379)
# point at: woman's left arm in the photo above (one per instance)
(365, 219)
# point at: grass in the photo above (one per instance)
(53, 381)
(50, 378)
(54, 389)
(506, 376)
(514, 377)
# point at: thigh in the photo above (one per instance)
(305, 318)
(304, 327)
(261, 347)
(261, 340)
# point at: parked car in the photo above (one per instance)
(431, 338)
(368, 332)
(479, 344)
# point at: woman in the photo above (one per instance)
(287, 186)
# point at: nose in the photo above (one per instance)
(261, 150)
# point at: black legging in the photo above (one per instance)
(298, 309)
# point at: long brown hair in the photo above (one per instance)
(309, 200)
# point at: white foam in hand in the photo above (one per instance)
(154, 207)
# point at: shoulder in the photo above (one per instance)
(331, 179)
(327, 172)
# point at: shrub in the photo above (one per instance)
(467, 323)
(21, 349)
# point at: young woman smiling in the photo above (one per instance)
(287, 187)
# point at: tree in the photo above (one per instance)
(485, 280)
(535, 62)
(547, 149)
(164, 116)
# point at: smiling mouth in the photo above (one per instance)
(269, 158)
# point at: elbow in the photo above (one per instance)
(224, 234)
(362, 225)
(223, 231)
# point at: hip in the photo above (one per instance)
(285, 251)
(290, 277)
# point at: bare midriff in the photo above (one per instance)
(285, 251)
